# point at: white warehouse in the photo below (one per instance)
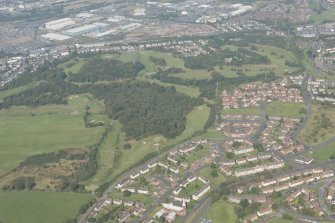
(59, 24)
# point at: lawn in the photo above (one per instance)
(321, 125)
(206, 172)
(324, 153)
(287, 109)
(108, 169)
(241, 111)
(201, 153)
(221, 210)
(28, 131)
(39, 207)
(147, 199)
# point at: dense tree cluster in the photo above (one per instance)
(146, 109)
(240, 57)
(106, 70)
(158, 61)
(20, 183)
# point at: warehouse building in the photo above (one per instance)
(80, 30)
(59, 24)
(55, 36)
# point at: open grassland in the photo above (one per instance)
(324, 16)
(211, 134)
(221, 210)
(34, 207)
(110, 167)
(321, 125)
(27, 131)
(277, 56)
(286, 109)
(241, 111)
(323, 154)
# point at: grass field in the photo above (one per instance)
(38, 207)
(241, 111)
(287, 109)
(321, 125)
(327, 15)
(324, 153)
(206, 172)
(221, 210)
(28, 131)
(108, 169)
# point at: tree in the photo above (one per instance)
(244, 203)
(213, 166)
(127, 146)
(214, 173)
(229, 155)
(236, 144)
(126, 193)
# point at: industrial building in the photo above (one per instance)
(80, 30)
(55, 36)
(59, 24)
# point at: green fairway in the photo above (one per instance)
(190, 91)
(241, 111)
(286, 109)
(28, 131)
(72, 65)
(221, 210)
(109, 169)
(40, 207)
(277, 56)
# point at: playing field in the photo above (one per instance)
(28, 131)
(38, 207)
(221, 210)
(286, 109)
